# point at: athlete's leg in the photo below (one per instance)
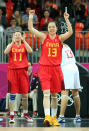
(46, 105)
(54, 102)
(25, 103)
(12, 107)
(17, 102)
(64, 101)
(25, 107)
(7, 101)
(76, 98)
(46, 102)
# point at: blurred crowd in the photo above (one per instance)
(14, 13)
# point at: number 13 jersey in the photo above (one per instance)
(51, 51)
(67, 56)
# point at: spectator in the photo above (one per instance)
(3, 19)
(59, 14)
(26, 17)
(87, 23)
(18, 17)
(13, 28)
(34, 80)
(33, 4)
(53, 11)
(44, 21)
(79, 11)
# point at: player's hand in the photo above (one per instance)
(31, 12)
(66, 16)
(13, 38)
(23, 37)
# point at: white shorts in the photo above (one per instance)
(71, 76)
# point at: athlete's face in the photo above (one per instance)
(52, 29)
(17, 36)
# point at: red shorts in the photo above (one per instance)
(51, 78)
(18, 81)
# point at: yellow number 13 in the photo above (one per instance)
(52, 52)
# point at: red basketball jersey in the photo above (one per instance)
(51, 51)
(18, 57)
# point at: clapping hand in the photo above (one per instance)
(13, 38)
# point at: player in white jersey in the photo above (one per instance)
(72, 82)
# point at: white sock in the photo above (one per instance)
(61, 116)
(53, 112)
(47, 111)
(25, 111)
(77, 115)
(11, 113)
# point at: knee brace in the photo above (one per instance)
(12, 98)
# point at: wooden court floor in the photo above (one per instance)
(42, 129)
(22, 125)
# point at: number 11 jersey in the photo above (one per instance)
(18, 57)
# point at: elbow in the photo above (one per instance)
(71, 32)
(30, 28)
(5, 52)
(30, 51)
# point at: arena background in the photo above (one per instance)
(81, 62)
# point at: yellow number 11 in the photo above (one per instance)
(20, 57)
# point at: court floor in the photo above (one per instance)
(37, 125)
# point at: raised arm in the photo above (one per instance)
(66, 35)
(39, 34)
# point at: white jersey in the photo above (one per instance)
(69, 69)
(67, 56)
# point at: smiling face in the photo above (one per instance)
(52, 28)
(17, 36)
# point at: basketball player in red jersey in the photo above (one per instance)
(50, 73)
(18, 81)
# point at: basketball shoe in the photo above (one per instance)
(12, 121)
(48, 120)
(27, 117)
(55, 121)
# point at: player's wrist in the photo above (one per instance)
(30, 16)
